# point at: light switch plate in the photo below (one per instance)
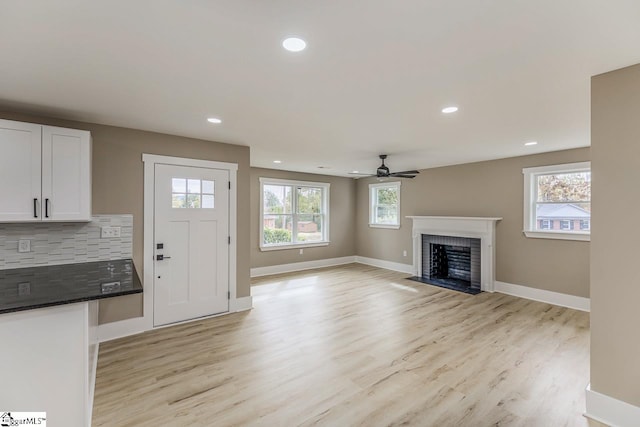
(109, 232)
(24, 246)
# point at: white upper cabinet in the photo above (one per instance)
(66, 174)
(45, 173)
(20, 171)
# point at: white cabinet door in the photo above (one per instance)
(20, 171)
(66, 174)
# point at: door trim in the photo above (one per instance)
(150, 161)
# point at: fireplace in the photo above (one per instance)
(451, 262)
(455, 252)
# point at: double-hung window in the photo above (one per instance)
(293, 213)
(384, 205)
(557, 201)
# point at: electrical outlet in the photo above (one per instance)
(24, 289)
(24, 245)
(404, 253)
(301, 251)
(109, 232)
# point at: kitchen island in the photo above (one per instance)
(48, 331)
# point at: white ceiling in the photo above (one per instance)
(372, 80)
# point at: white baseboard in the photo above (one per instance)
(610, 411)
(137, 325)
(244, 303)
(555, 298)
(388, 265)
(300, 266)
(121, 329)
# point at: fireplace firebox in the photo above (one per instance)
(451, 262)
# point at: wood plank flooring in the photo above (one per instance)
(354, 346)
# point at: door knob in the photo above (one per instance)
(162, 257)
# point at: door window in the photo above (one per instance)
(189, 193)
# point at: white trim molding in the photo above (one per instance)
(388, 265)
(123, 328)
(150, 161)
(294, 246)
(483, 228)
(300, 266)
(372, 204)
(558, 235)
(326, 193)
(550, 297)
(244, 303)
(610, 411)
(138, 325)
(530, 196)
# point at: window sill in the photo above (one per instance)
(393, 226)
(559, 235)
(293, 246)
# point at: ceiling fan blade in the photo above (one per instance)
(401, 175)
(361, 174)
(408, 172)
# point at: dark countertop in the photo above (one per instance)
(46, 286)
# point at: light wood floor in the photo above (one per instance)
(350, 346)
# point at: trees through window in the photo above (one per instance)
(384, 205)
(558, 200)
(293, 213)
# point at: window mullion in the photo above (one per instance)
(294, 217)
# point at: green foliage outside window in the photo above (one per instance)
(276, 235)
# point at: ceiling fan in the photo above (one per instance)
(383, 171)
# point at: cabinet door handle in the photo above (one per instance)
(35, 208)
(46, 208)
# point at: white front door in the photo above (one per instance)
(191, 243)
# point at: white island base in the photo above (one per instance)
(48, 361)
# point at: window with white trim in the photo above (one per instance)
(384, 205)
(293, 213)
(557, 201)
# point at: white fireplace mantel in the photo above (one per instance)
(483, 228)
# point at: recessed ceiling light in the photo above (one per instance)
(294, 44)
(531, 143)
(277, 161)
(355, 171)
(449, 110)
(214, 120)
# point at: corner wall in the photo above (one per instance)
(342, 210)
(615, 283)
(493, 189)
(118, 183)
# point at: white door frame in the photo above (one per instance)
(136, 325)
(150, 162)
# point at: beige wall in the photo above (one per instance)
(493, 188)
(117, 172)
(615, 283)
(342, 220)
